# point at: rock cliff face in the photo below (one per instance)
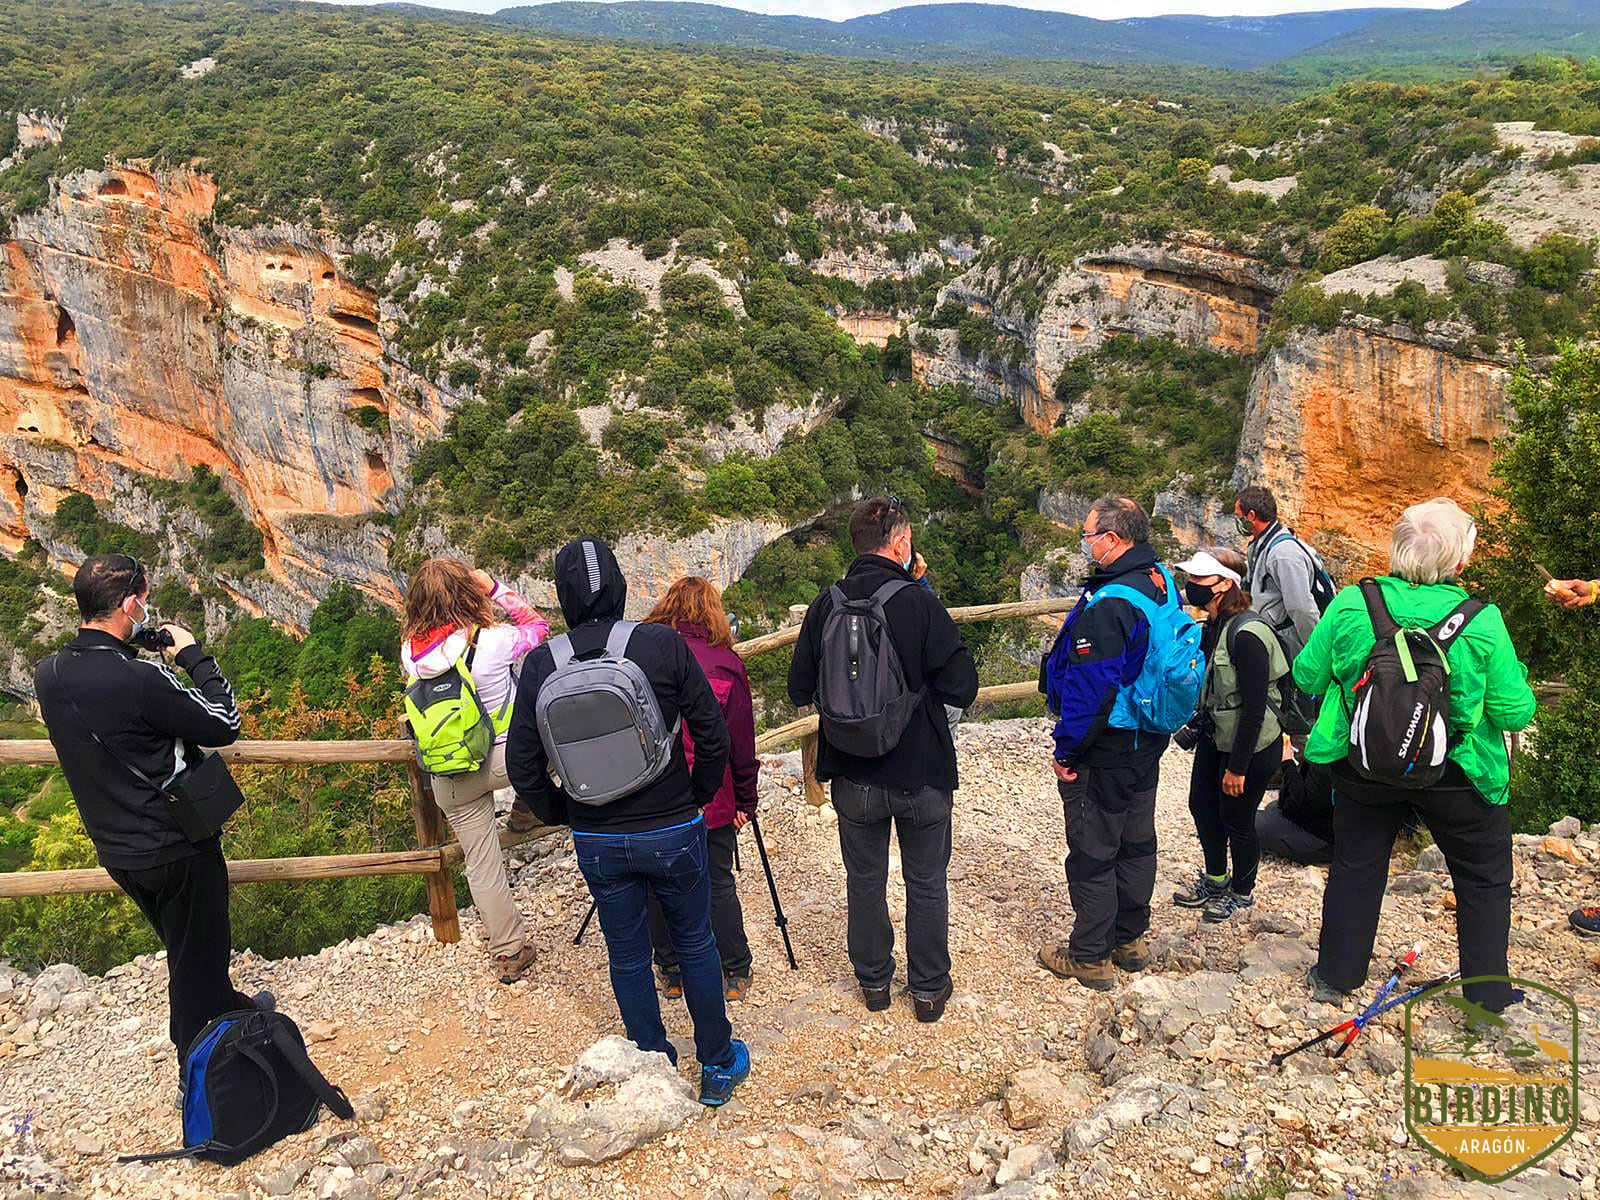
(1188, 290)
(869, 327)
(1351, 426)
(138, 339)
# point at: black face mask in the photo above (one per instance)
(1196, 594)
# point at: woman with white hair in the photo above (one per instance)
(1465, 810)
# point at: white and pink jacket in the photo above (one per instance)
(498, 657)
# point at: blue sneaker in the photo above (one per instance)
(717, 1083)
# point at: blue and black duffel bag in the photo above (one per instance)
(248, 1082)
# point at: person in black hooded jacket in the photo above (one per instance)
(652, 841)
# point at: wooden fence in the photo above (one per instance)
(435, 857)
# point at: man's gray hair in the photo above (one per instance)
(1123, 517)
(1431, 542)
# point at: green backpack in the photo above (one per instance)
(453, 730)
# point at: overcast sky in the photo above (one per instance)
(1104, 9)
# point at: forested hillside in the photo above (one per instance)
(626, 279)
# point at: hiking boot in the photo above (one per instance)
(1586, 921)
(734, 987)
(511, 966)
(1132, 956)
(265, 1001)
(521, 820)
(1325, 993)
(930, 1008)
(1096, 975)
(877, 998)
(1201, 893)
(672, 983)
(1225, 905)
(717, 1083)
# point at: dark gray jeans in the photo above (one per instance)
(922, 823)
(1111, 855)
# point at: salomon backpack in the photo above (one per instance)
(863, 705)
(247, 1082)
(601, 723)
(1400, 722)
(453, 730)
(1166, 691)
(1322, 585)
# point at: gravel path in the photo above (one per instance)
(1156, 1089)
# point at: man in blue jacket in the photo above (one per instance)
(1106, 766)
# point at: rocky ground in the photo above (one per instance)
(1031, 1086)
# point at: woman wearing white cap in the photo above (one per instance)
(1238, 742)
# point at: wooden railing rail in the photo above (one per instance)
(435, 856)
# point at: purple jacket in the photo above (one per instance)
(730, 683)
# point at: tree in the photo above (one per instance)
(1546, 472)
(1354, 237)
(1453, 214)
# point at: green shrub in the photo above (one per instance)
(1355, 237)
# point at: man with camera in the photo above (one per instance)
(124, 729)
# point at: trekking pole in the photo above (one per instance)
(1395, 1002)
(772, 886)
(1395, 976)
(594, 905)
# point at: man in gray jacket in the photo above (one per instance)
(1280, 569)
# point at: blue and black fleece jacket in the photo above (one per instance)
(1100, 651)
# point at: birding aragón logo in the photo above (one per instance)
(1488, 1093)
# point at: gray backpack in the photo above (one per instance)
(862, 702)
(600, 722)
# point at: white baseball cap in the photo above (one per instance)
(1205, 565)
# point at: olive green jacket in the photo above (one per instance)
(1489, 692)
(1220, 695)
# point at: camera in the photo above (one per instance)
(1189, 736)
(155, 640)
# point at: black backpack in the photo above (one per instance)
(1322, 586)
(1295, 710)
(247, 1083)
(862, 703)
(1400, 723)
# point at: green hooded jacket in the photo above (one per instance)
(1489, 692)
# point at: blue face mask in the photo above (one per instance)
(143, 623)
(911, 557)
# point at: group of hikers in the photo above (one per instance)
(1369, 707)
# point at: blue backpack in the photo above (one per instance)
(1167, 690)
(247, 1082)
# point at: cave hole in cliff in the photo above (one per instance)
(372, 397)
(19, 485)
(375, 461)
(327, 277)
(113, 187)
(351, 321)
(66, 329)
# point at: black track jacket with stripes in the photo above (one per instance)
(151, 718)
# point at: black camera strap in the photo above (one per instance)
(55, 671)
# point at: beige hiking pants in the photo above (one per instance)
(467, 802)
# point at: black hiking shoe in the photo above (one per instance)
(1201, 893)
(877, 998)
(1224, 906)
(930, 1008)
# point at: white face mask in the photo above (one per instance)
(141, 623)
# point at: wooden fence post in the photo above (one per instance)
(430, 833)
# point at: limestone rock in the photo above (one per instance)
(1567, 827)
(645, 1099)
(1033, 1091)
(1025, 1162)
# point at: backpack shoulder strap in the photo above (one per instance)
(1121, 591)
(617, 639)
(837, 594)
(1383, 625)
(472, 647)
(295, 1055)
(1446, 631)
(888, 591)
(561, 650)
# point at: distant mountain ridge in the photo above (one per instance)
(1471, 31)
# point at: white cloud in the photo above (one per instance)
(838, 10)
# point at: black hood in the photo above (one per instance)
(589, 583)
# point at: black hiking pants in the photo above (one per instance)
(921, 820)
(187, 903)
(1111, 855)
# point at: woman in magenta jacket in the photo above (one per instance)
(693, 607)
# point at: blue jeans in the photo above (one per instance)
(622, 870)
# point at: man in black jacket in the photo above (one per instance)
(109, 711)
(1106, 766)
(650, 841)
(912, 785)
